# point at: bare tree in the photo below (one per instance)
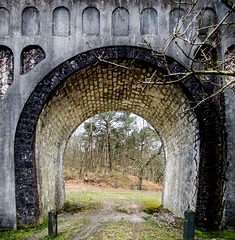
(197, 36)
(143, 164)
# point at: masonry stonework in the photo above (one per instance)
(59, 83)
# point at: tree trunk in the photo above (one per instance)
(83, 157)
(124, 157)
(140, 176)
(109, 151)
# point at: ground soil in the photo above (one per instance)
(110, 183)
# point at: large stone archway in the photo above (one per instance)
(82, 87)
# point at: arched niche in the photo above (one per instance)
(4, 22)
(229, 65)
(30, 21)
(149, 21)
(120, 22)
(175, 20)
(30, 57)
(6, 69)
(61, 22)
(91, 21)
(207, 21)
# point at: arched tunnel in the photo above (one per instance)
(84, 86)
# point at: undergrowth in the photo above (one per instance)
(152, 209)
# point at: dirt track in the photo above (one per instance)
(131, 211)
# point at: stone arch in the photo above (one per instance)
(4, 22)
(175, 18)
(91, 21)
(6, 69)
(207, 22)
(120, 22)
(30, 21)
(61, 22)
(30, 57)
(39, 128)
(149, 21)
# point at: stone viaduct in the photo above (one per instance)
(51, 81)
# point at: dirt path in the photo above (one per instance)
(122, 208)
(111, 209)
(108, 213)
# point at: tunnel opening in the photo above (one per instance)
(83, 87)
(117, 150)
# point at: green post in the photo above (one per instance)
(189, 225)
(52, 223)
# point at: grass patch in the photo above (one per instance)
(80, 201)
(65, 231)
(69, 231)
(224, 234)
(122, 211)
(87, 200)
(125, 230)
(71, 207)
(22, 232)
(152, 210)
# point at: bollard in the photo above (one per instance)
(189, 225)
(52, 223)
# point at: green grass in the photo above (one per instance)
(93, 199)
(22, 232)
(224, 234)
(64, 232)
(69, 231)
(125, 230)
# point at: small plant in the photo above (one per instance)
(122, 211)
(71, 207)
(151, 210)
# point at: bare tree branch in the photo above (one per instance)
(201, 63)
(230, 4)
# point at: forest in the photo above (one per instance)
(115, 142)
